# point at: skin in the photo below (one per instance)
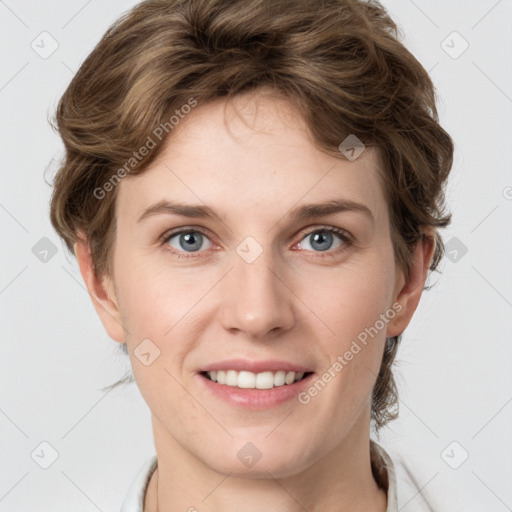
(253, 163)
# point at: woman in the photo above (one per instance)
(253, 191)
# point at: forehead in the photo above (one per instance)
(254, 152)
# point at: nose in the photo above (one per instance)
(257, 298)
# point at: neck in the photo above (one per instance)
(340, 481)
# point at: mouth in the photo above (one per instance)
(254, 384)
(250, 380)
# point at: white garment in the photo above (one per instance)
(382, 467)
(134, 500)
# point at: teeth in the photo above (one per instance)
(249, 380)
(231, 378)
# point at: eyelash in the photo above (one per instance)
(341, 233)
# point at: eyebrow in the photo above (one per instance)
(302, 212)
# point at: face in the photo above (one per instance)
(254, 287)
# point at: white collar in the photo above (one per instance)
(134, 500)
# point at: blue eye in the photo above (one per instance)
(322, 240)
(188, 241)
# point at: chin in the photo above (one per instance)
(258, 460)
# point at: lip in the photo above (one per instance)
(254, 399)
(255, 366)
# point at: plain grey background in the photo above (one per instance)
(453, 367)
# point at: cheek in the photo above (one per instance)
(349, 299)
(152, 299)
(353, 310)
(160, 309)
(158, 341)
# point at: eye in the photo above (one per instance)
(191, 241)
(186, 240)
(322, 239)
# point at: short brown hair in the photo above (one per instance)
(339, 61)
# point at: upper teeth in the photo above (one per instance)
(264, 380)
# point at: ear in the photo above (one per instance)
(101, 291)
(408, 290)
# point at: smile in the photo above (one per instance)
(250, 380)
(254, 391)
